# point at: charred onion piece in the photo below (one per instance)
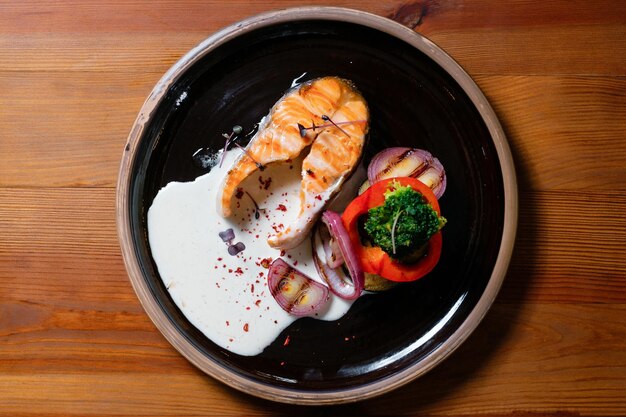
(334, 257)
(434, 177)
(408, 162)
(296, 293)
(348, 286)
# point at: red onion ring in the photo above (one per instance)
(296, 293)
(408, 162)
(434, 177)
(398, 162)
(347, 287)
(334, 257)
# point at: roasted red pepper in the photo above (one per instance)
(373, 259)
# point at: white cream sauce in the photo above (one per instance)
(226, 297)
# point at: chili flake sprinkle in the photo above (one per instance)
(265, 263)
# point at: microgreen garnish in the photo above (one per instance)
(257, 210)
(231, 138)
(236, 248)
(303, 129)
(258, 164)
(227, 237)
(328, 119)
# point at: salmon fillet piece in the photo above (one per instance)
(335, 149)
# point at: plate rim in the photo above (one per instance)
(346, 394)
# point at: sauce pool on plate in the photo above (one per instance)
(223, 295)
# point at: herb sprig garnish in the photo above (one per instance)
(303, 129)
(258, 164)
(231, 138)
(257, 209)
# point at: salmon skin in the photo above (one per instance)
(336, 146)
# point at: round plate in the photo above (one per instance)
(419, 97)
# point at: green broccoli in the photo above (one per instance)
(402, 225)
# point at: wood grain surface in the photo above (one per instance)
(74, 339)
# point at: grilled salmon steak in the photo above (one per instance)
(331, 117)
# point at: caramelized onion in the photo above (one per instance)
(348, 286)
(296, 293)
(408, 162)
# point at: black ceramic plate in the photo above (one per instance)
(418, 97)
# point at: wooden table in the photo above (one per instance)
(74, 339)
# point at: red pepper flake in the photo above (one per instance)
(287, 340)
(227, 323)
(310, 173)
(265, 184)
(239, 270)
(282, 207)
(257, 303)
(265, 263)
(230, 339)
(318, 197)
(219, 259)
(245, 327)
(282, 252)
(295, 263)
(247, 308)
(251, 288)
(230, 271)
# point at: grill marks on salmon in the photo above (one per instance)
(334, 152)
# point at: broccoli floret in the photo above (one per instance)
(404, 223)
